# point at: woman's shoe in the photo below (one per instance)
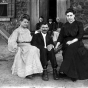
(29, 77)
(73, 79)
(62, 75)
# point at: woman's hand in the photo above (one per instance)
(58, 43)
(72, 41)
(69, 42)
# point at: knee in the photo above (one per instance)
(43, 50)
(35, 49)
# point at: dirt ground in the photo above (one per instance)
(7, 80)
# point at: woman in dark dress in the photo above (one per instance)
(75, 55)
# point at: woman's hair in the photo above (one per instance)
(70, 10)
(24, 16)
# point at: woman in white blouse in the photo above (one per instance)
(27, 58)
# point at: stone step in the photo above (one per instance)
(4, 33)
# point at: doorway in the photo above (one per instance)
(52, 9)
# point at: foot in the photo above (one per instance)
(73, 79)
(29, 77)
(55, 75)
(45, 75)
(62, 75)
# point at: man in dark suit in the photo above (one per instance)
(44, 42)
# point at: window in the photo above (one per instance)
(7, 8)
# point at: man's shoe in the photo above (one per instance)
(55, 75)
(45, 75)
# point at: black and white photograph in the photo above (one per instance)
(43, 43)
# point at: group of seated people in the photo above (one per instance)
(34, 52)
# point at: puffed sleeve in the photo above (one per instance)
(12, 41)
(61, 35)
(80, 30)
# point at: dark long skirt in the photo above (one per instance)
(75, 61)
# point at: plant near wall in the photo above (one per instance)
(12, 25)
(21, 7)
(81, 8)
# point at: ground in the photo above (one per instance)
(7, 80)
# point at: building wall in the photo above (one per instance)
(30, 7)
(21, 7)
(34, 8)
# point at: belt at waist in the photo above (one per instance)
(23, 42)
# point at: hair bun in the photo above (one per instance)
(24, 16)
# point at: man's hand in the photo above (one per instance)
(37, 31)
(49, 47)
(58, 30)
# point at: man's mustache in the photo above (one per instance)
(44, 30)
